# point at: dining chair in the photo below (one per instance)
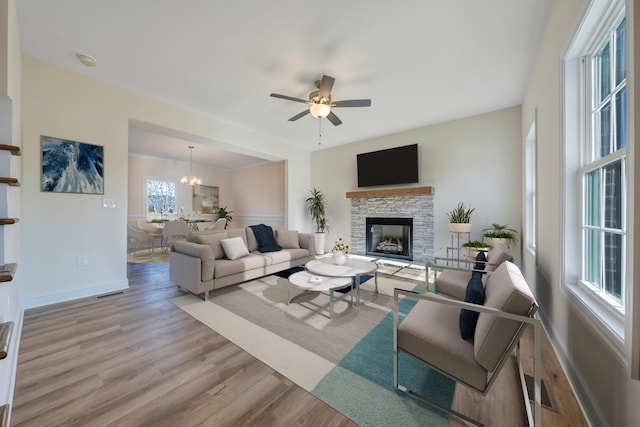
(174, 231)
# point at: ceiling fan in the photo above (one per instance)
(320, 102)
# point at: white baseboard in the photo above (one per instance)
(54, 298)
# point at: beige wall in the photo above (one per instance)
(604, 386)
(59, 227)
(254, 194)
(475, 160)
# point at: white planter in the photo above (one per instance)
(471, 253)
(339, 258)
(460, 227)
(320, 239)
(493, 241)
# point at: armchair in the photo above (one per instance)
(452, 281)
(153, 232)
(137, 239)
(430, 333)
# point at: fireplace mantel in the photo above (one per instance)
(392, 192)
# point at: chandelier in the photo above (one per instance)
(191, 180)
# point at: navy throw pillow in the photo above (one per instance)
(475, 295)
(481, 261)
(266, 239)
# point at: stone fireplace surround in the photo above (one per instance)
(412, 202)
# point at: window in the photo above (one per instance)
(603, 171)
(530, 189)
(160, 198)
(595, 190)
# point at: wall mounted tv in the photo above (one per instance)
(397, 165)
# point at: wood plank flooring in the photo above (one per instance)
(134, 359)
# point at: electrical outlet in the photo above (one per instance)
(82, 260)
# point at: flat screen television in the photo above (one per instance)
(397, 165)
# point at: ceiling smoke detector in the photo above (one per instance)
(87, 60)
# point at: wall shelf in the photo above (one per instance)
(8, 221)
(15, 150)
(7, 272)
(13, 182)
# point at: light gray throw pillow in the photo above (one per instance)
(234, 248)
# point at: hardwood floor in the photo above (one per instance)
(134, 359)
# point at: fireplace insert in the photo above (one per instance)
(389, 237)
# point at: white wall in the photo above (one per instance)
(58, 227)
(603, 385)
(475, 160)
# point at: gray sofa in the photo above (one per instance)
(200, 264)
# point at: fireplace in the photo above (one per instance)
(389, 237)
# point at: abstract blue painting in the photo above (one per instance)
(71, 167)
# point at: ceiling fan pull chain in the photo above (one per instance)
(319, 131)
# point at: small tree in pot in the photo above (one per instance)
(317, 207)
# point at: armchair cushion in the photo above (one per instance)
(266, 240)
(234, 248)
(288, 239)
(494, 333)
(475, 295)
(497, 256)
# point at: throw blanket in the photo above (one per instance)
(264, 236)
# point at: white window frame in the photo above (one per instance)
(531, 206)
(608, 319)
(145, 196)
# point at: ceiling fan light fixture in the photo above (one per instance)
(320, 111)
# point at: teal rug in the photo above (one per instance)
(347, 362)
(361, 386)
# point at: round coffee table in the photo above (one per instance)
(316, 283)
(352, 268)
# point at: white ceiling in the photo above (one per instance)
(419, 61)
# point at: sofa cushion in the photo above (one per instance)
(226, 267)
(286, 255)
(265, 237)
(239, 232)
(288, 239)
(252, 243)
(234, 248)
(506, 290)
(211, 239)
(474, 295)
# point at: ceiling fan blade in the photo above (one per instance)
(334, 119)
(299, 115)
(353, 103)
(324, 91)
(289, 98)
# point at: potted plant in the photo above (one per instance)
(226, 215)
(460, 219)
(471, 249)
(499, 234)
(317, 207)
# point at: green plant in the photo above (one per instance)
(498, 231)
(224, 213)
(477, 244)
(460, 214)
(317, 207)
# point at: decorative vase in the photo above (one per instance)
(339, 257)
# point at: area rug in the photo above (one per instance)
(346, 361)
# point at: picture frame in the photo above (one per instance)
(206, 199)
(71, 166)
